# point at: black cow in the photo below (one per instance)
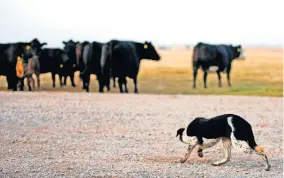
(88, 57)
(9, 53)
(69, 66)
(208, 55)
(51, 60)
(122, 59)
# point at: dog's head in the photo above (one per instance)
(180, 131)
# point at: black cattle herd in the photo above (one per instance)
(110, 60)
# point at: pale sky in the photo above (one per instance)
(159, 21)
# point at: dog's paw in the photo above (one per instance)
(199, 153)
(182, 160)
(267, 168)
(216, 163)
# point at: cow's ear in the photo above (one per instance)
(64, 42)
(43, 44)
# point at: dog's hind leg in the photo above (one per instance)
(189, 150)
(227, 148)
(258, 149)
(207, 145)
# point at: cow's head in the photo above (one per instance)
(70, 52)
(22, 49)
(36, 47)
(238, 52)
(149, 52)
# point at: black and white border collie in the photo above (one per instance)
(225, 127)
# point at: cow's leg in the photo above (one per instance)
(195, 69)
(8, 78)
(228, 76)
(65, 80)
(21, 84)
(87, 82)
(29, 83)
(135, 84)
(227, 149)
(33, 81)
(38, 80)
(82, 79)
(72, 79)
(113, 79)
(120, 83)
(53, 79)
(101, 84)
(8, 82)
(125, 85)
(61, 80)
(219, 78)
(108, 87)
(205, 78)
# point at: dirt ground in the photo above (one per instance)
(60, 134)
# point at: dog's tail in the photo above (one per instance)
(252, 144)
(180, 133)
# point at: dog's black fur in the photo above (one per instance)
(223, 126)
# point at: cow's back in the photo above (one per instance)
(125, 61)
(50, 59)
(3, 60)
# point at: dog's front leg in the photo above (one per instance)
(189, 150)
(207, 145)
(227, 148)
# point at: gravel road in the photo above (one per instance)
(58, 134)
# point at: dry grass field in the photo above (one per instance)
(260, 75)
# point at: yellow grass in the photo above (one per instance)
(260, 74)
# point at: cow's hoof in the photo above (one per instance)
(182, 160)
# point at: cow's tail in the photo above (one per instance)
(196, 55)
(180, 133)
(87, 55)
(106, 58)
